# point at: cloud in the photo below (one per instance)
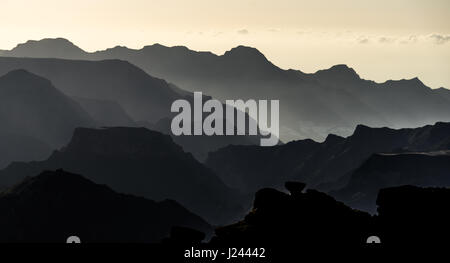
(440, 39)
(409, 39)
(363, 40)
(243, 32)
(386, 40)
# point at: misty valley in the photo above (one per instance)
(179, 148)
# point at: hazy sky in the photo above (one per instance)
(383, 39)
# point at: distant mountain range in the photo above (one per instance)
(328, 165)
(312, 106)
(64, 108)
(54, 205)
(115, 93)
(140, 162)
(143, 97)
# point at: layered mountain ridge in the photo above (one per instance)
(51, 206)
(326, 165)
(35, 117)
(334, 100)
(140, 162)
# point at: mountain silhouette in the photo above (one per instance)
(326, 165)
(143, 97)
(116, 93)
(334, 100)
(47, 48)
(140, 162)
(312, 105)
(31, 106)
(201, 145)
(387, 170)
(445, 93)
(50, 207)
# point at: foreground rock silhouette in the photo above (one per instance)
(406, 215)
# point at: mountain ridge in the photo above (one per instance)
(67, 43)
(327, 165)
(313, 105)
(141, 162)
(54, 205)
(31, 105)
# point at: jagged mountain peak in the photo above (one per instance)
(22, 75)
(340, 71)
(59, 40)
(51, 181)
(361, 128)
(160, 48)
(48, 47)
(18, 77)
(410, 84)
(244, 52)
(332, 138)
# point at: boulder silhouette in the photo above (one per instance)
(311, 218)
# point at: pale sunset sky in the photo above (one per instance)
(383, 39)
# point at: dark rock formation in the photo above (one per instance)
(311, 218)
(285, 224)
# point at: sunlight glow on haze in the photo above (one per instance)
(385, 39)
